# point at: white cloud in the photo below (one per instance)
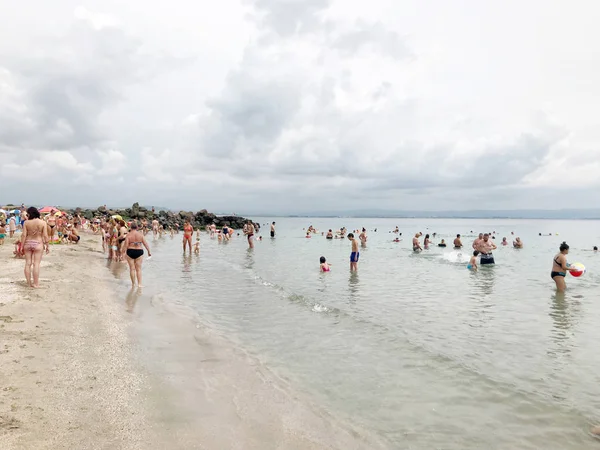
(380, 99)
(113, 162)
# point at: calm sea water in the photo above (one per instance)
(413, 347)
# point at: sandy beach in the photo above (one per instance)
(74, 375)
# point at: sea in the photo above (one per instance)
(412, 347)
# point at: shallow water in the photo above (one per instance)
(414, 347)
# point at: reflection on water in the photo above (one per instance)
(131, 299)
(186, 266)
(353, 285)
(485, 279)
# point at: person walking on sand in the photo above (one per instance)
(355, 255)
(133, 243)
(188, 234)
(12, 225)
(249, 231)
(34, 241)
(52, 224)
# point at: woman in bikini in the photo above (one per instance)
(249, 231)
(133, 243)
(33, 242)
(560, 267)
(52, 224)
(122, 235)
(188, 234)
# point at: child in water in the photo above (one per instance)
(355, 254)
(473, 262)
(324, 266)
(197, 246)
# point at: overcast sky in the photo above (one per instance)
(288, 106)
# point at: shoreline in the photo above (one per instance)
(67, 380)
(80, 371)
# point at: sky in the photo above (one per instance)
(288, 106)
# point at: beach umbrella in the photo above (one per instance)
(48, 209)
(118, 217)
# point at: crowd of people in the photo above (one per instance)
(125, 241)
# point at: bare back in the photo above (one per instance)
(35, 230)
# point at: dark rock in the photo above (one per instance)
(167, 219)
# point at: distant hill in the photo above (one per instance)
(559, 214)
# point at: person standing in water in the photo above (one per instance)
(249, 231)
(560, 267)
(34, 241)
(473, 261)
(273, 230)
(363, 237)
(485, 248)
(477, 241)
(188, 234)
(416, 243)
(355, 255)
(458, 243)
(426, 242)
(133, 243)
(518, 243)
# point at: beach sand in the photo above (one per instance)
(77, 373)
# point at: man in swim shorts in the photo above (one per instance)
(457, 243)
(477, 241)
(485, 247)
(355, 255)
(273, 230)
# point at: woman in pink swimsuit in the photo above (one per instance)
(34, 241)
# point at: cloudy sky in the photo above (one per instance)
(288, 106)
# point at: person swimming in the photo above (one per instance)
(324, 265)
(473, 261)
(504, 241)
(442, 244)
(329, 234)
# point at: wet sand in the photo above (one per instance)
(78, 370)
